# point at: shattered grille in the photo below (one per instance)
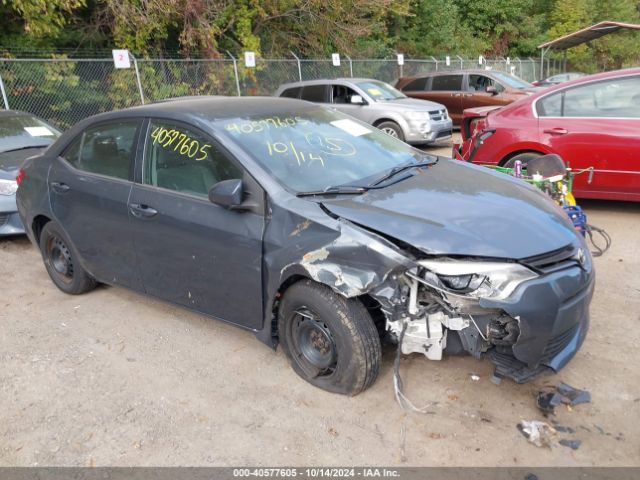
(438, 115)
(553, 261)
(556, 344)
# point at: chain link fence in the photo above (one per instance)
(64, 91)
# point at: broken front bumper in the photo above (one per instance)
(553, 313)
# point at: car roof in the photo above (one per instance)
(586, 79)
(455, 72)
(320, 81)
(209, 108)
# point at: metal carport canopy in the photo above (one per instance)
(586, 34)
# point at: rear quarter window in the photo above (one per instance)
(415, 85)
(291, 92)
(550, 106)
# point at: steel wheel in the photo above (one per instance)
(62, 262)
(331, 341)
(59, 256)
(315, 348)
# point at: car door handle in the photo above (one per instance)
(142, 211)
(556, 131)
(60, 187)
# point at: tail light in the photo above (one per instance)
(21, 175)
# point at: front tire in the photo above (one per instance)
(62, 262)
(331, 341)
(393, 129)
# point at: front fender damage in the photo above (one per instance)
(354, 263)
(332, 251)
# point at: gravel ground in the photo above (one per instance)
(115, 378)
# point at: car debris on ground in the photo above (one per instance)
(541, 434)
(547, 400)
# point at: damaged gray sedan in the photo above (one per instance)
(313, 230)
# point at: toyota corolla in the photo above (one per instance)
(314, 231)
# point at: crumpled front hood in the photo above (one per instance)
(455, 208)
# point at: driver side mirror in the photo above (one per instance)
(492, 90)
(357, 100)
(227, 193)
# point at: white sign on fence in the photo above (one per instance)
(249, 59)
(121, 58)
(480, 59)
(400, 59)
(335, 58)
(447, 60)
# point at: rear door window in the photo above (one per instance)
(315, 93)
(184, 160)
(106, 149)
(446, 82)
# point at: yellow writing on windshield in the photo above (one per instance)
(257, 126)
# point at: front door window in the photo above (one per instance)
(184, 160)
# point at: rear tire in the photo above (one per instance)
(393, 129)
(62, 261)
(331, 341)
(523, 157)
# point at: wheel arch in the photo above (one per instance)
(38, 223)
(386, 119)
(510, 155)
(368, 301)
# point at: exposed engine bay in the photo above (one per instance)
(451, 306)
(438, 321)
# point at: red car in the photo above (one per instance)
(593, 121)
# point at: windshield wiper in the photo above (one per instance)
(24, 148)
(400, 168)
(346, 190)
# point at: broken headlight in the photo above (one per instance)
(479, 279)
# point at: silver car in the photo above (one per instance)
(22, 135)
(379, 104)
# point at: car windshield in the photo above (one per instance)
(512, 81)
(313, 148)
(380, 91)
(23, 131)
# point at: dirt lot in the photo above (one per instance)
(114, 378)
